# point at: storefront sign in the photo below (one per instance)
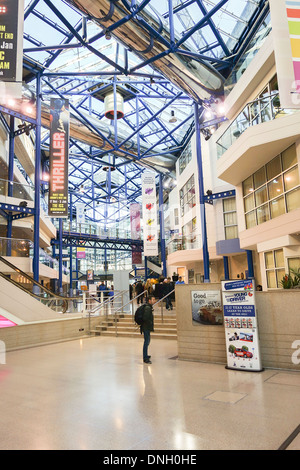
(59, 157)
(241, 329)
(207, 307)
(150, 229)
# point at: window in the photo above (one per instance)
(275, 271)
(273, 190)
(187, 196)
(230, 219)
(189, 238)
(293, 264)
(185, 158)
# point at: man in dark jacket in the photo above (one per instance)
(147, 326)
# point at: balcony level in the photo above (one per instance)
(246, 146)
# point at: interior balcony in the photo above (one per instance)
(15, 195)
(259, 133)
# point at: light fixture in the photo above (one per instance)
(173, 117)
(107, 35)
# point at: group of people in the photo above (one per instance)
(104, 290)
(161, 288)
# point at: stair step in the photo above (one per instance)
(127, 334)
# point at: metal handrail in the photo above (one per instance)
(160, 300)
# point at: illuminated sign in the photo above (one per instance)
(9, 11)
(59, 157)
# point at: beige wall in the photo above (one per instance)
(279, 329)
(41, 333)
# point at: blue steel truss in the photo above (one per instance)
(68, 52)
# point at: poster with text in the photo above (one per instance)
(11, 48)
(59, 157)
(241, 328)
(207, 307)
(150, 229)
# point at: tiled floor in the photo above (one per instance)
(96, 393)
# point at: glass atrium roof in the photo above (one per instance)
(78, 52)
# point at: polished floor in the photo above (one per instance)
(96, 393)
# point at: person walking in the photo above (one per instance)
(147, 326)
(166, 291)
(138, 290)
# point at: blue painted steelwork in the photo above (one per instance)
(162, 228)
(37, 181)
(201, 196)
(145, 123)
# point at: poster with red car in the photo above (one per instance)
(241, 328)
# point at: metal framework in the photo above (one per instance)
(67, 53)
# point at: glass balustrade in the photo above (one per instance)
(256, 112)
(17, 190)
(94, 229)
(184, 243)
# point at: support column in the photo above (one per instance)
(70, 249)
(201, 196)
(226, 268)
(162, 228)
(10, 181)
(250, 264)
(37, 182)
(60, 263)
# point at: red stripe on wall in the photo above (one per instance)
(293, 12)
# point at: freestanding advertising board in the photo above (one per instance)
(241, 328)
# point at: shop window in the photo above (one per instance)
(275, 271)
(273, 190)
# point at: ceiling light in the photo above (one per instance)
(107, 35)
(173, 118)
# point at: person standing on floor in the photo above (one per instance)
(147, 326)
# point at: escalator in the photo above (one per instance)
(26, 299)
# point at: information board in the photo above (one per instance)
(241, 328)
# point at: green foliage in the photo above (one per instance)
(291, 280)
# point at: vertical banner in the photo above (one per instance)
(11, 48)
(241, 328)
(285, 17)
(80, 216)
(150, 229)
(59, 157)
(135, 227)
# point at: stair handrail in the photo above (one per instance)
(160, 300)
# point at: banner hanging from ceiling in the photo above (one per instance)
(150, 228)
(135, 226)
(59, 157)
(11, 48)
(285, 17)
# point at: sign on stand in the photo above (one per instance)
(241, 328)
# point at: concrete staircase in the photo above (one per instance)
(163, 329)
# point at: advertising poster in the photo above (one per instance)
(11, 47)
(207, 307)
(241, 329)
(59, 157)
(80, 253)
(150, 229)
(135, 226)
